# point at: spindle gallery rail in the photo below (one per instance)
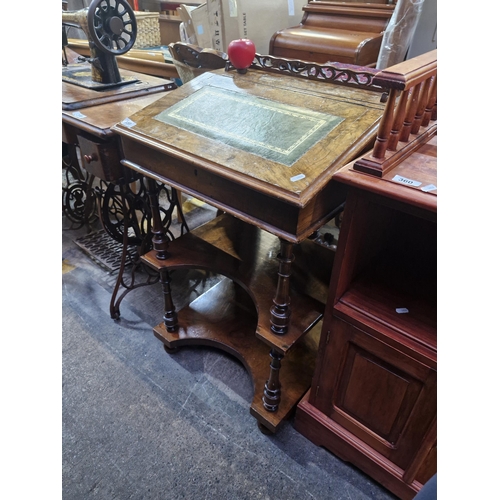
(410, 116)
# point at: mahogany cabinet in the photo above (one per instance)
(343, 32)
(372, 400)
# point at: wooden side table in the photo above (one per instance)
(372, 400)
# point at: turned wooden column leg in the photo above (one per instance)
(159, 240)
(280, 311)
(160, 245)
(169, 314)
(272, 389)
(280, 317)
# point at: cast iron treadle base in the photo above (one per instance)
(104, 250)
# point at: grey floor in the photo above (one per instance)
(139, 423)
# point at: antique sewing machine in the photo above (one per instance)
(95, 96)
(111, 29)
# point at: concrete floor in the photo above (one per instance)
(139, 423)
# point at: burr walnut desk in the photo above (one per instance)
(262, 147)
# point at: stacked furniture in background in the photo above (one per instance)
(343, 32)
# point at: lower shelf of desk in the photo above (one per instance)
(234, 315)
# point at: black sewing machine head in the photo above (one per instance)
(111, 30)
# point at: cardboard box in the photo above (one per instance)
(187, 27)
(169, 29)
(257, 20)
(223, 22)
(199, 16)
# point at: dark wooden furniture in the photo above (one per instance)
(192, 61)
(227, 139)
(372, 400)
(94, 153)
(344, 32)
(88, 115)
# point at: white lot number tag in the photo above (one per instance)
(404, 180)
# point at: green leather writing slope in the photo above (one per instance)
(267, 128)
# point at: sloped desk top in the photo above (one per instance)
(260, 146)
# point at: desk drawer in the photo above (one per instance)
(101, 158)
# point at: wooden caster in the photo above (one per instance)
(264, 429)
(170, 350)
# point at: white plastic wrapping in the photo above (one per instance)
(399, 32)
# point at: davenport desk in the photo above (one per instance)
(261, 147)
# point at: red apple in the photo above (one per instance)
(241, 53)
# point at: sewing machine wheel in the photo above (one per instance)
(112, 25)
(113, 214)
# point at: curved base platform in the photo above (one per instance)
(224, 317)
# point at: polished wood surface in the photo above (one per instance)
(344, 32)
(290, 202)
(420, 165)
(76, 97)
(90, 130)
(373, 395)
(406, 127)
(98, 120)
(274, 204)
(207, 139)
(88, 115)
(233, 248)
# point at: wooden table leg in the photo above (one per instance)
(169, 314)
(280, 311)
(272, 389)
(160, 245)
(159, 240)
(280, 318)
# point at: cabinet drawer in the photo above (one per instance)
(101, 158)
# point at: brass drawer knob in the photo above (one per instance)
(90, 158)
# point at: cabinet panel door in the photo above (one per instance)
(382, 396)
